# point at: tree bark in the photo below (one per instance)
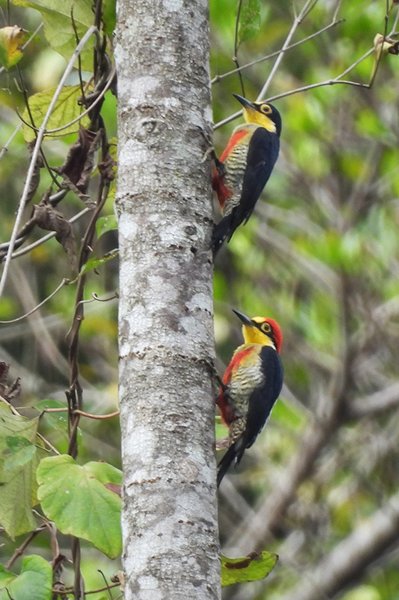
(166, 344)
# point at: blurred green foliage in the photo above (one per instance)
(321, 255)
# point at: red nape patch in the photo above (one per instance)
(233, 141)
(278, 334)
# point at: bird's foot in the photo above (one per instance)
(210, 151)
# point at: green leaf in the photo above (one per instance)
(65, 110)
(104, 472)
(56, 423)
(11, 40)
(18, 461)
(34, 582)
(247, 568)
(249, 20)
(20, 450)
(76, 499)
(94, 263)
(105, 224)
(109, 16)
(5, 577)
(58, 26)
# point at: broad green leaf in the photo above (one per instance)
(247, 568)
(34, 582)
(18, 461)
(58, 28)
(94, 263)
(105, 224)
(65, 110)
(5, 577)
(104, 472)
(11, 40)
(19, 452)
(56, 423)
(249, 20)
(76, 499)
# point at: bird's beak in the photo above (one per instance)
(243, 318)
(246, 103)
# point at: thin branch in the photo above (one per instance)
(277, 52)
(85, 112)
(30, 312)
(4, 149)
(235, 58)
(309, 5)
(21, 549)
(96, 298)
(333, 81)
(82, 413)
(69, 590)
(36, 152)
(92, 105)
(45, 238)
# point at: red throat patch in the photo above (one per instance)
(225, 408)
(233, 141)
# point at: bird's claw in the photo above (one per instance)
(210, 151)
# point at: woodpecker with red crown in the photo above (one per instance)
(250, 386)
(244, 167)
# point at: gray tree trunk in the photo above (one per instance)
(165, 323)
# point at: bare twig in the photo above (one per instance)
(338, 80)
(4, 149)
(82, 413)
(235, 58)
(277, 52)
(85, 112)
(48, 236)
(36, 152)
(308, 6)
(21, 549)
(35, 308)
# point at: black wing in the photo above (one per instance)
(263, 398)
(263, 152)
(260, 405)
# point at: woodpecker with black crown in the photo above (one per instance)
(244, 167)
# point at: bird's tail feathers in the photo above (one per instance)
(222, 231)
(234, 453)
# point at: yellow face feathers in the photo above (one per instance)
(253, 335)
(259, 114)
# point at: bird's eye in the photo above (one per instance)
(265, 327)
(266, 109)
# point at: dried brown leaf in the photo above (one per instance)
(46, 217)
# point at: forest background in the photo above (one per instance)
(320, 255)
